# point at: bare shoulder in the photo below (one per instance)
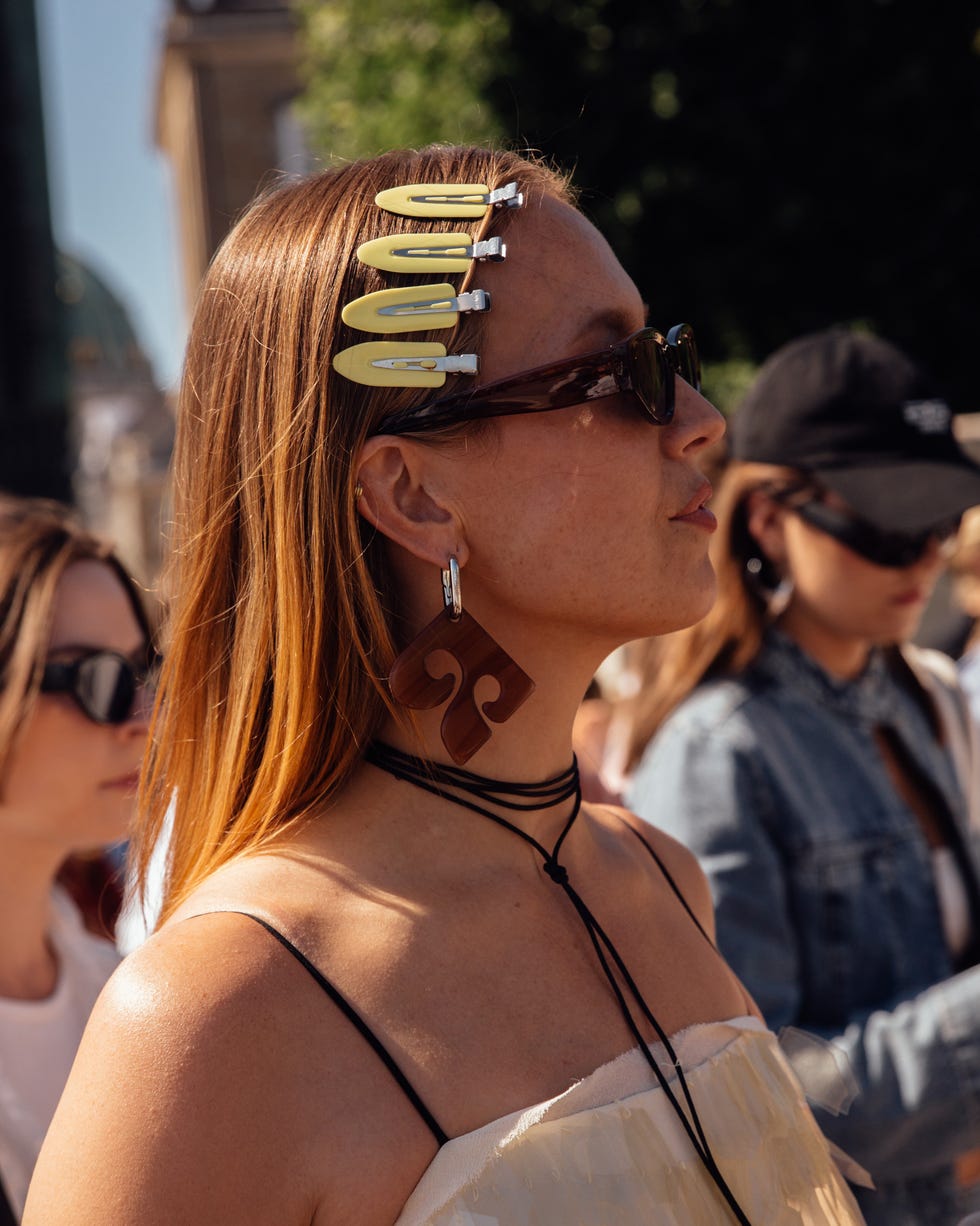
(681, 863)
(171, 1110)
(196, 975)
(216, 1082)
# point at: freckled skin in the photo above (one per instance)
(588, 491)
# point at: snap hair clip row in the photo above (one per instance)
(419, 307)
(447, 199)
(413, 308)
(402, 364)
(440, 253)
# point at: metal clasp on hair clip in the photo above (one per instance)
(412, 308)
(428, 252)
(447, 199)
(402, 364)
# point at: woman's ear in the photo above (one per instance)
(766, 519)
(401, 496)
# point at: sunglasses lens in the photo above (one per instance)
(651, 376)
(887, 550)
(891, 549)
(684, 354)
(105, 686)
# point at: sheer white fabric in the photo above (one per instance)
(954, 902)
(610, 1150)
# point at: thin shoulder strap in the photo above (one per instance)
(6, 1212)
(670, 881)
(359, 1024)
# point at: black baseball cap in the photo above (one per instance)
(866, 421)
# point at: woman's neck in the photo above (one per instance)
(28, 965)
(842, 655)
(533, 744)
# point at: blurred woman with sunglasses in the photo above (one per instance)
(823, 770)
(74, 640)
(404, 973)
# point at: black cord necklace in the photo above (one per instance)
(525, 797)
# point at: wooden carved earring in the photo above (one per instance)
(477, 655)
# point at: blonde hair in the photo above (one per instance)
(39, 540)
(728, 638)
(284, 618)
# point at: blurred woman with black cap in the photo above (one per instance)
(824, 770)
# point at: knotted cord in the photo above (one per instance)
(523, 798)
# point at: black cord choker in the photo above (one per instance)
(455, 784)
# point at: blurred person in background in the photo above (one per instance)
(824, 772)
(74, 650)
(604, 721)
(964, 568)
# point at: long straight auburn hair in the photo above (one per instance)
(283, 617)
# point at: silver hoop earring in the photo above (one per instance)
(464, 725)
(452, 593)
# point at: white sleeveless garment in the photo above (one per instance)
(610, 1151)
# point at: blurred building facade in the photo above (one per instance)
(228, 76)
(121, 428)
(81, 416)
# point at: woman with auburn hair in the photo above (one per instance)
(825, 771)
(74, 639)
(404, 974)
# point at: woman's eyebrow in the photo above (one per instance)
(616, 322)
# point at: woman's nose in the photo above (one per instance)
(696, 423)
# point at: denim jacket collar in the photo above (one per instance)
(874, 697)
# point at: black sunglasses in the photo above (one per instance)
(892, 549)
(645, 364)
(104, 684)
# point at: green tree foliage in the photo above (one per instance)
(763, 168)
(382, 75)
(768, 168)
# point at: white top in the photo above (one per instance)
(139, 918)
(954, 902)
(38, 1041)
(611, 1150)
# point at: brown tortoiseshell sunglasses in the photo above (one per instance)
(645, 364)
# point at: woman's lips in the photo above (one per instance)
(125, 783)
(695, 512)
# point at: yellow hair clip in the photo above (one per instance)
(402, 364)
(412, 308)
(447, 199)
(440, 253)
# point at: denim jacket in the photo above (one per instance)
(826, 904)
